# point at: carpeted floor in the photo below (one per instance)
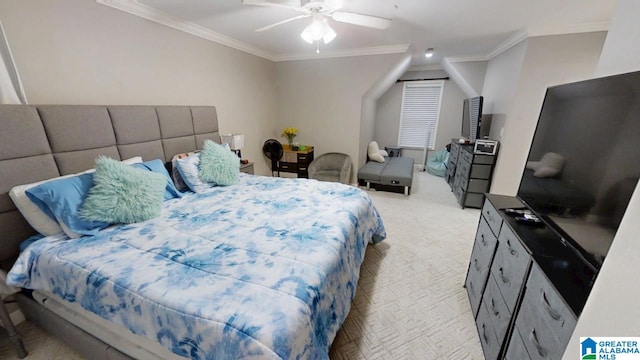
(410, 302)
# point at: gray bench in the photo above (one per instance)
(394, 172)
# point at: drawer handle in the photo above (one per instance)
(475, 264)
(512, 251)
(555, 315)
(495, 311)
(484, 335)
(534, 338)
(488, 216)
(504, 278)
(482, 239)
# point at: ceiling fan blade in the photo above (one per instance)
(288, 4)
(362, 20)
(281, 22)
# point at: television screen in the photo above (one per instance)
(471, 113)
(583, 165)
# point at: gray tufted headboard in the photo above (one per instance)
(39, 142)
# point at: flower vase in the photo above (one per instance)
(290, 138)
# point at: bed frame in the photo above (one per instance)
(39, 142)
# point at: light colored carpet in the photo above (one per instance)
(410, 302)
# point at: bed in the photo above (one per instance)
(266, 268)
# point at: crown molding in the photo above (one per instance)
(375, 50)
(516, 38)
(149, 13)
(426, 67)
(569, 29)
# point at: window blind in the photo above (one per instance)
(420, 113)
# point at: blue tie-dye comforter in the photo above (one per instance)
(263, 269)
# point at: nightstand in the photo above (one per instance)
(247, 168)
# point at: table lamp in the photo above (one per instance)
(235, 141)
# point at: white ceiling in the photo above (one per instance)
(457, 29)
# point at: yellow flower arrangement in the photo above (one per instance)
(290, 133)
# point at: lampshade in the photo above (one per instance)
(235, 141)
(319, 29)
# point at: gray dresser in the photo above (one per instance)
(521, 312)
(469, 174)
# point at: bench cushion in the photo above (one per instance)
(399, 171)
(394, 171)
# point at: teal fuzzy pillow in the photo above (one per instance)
(123, 194)
(218, 165)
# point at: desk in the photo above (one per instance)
(296, 161)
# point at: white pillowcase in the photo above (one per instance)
(189, 168)
(38, 220)
(374, 152)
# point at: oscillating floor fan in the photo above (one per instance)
(272, 149)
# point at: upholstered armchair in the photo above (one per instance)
(331, 167)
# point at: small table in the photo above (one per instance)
(247, 168)
(296, 161)
(393, 151)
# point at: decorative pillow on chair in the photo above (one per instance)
(123, 194)
(374, 152)
(218, 165)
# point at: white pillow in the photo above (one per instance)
(374, 152)
(38, 220)
(189, 169)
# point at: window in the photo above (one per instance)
(420, 113)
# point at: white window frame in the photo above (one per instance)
(412, 116)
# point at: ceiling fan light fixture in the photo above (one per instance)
(429, 53)
(319, 29)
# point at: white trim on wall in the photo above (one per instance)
(152, 14)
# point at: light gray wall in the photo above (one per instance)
(473, 73)
(323, 99)
(390, 105)
(80, 52)
(612, 308)
(548, 60)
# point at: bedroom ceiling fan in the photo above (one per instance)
(319, 11)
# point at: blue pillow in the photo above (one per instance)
(61, 200)
(171, 192)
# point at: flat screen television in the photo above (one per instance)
(584, 161)
(471, 117)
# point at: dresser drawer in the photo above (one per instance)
(476, 277)
(287, 166)
(537, 337)
(459, 193)
(483, 159)
(485, 241)
(499, 314)
(480, 171)
(510, 266)
(463, 168)
(478, 186)
(473, 200)
(492, 216)
(488, 339)
(305, 158)
(516, 349)
(467, 156)
(551, 308)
